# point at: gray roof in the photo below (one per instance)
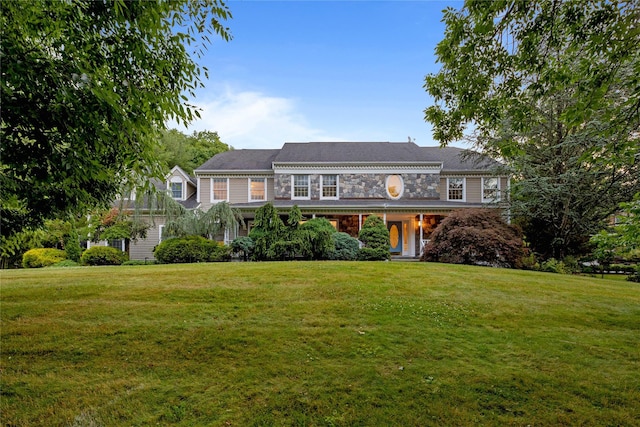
(361, 205)
(240, 160)
(452, 158)
(459, 159)
(360, 152)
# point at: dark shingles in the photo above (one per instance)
(362, 152)
(452, 158)
(240, 160)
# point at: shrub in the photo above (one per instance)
(345, 247)
(72, 245)
(552, 265)
(476, 237)
(373, 254)
(635, 277)
(191, 249)
(375, 237)
(243, 244)
(42, 257)
(103, 255)
(316, 237)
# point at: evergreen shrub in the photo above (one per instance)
(345, 247)
(42, 257)
(375, 238)
(191, 249)
(103, 255)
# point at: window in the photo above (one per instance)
(257, 189)
(160, 231)
(455, 189)
(176, 190)
(490, 190)
(395, 186)
(329, 186)
(300, 187)
(218, 189)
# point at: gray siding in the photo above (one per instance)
(270, 189)
(205, 193)
(143, 248)
(474, 190)
(238, 190)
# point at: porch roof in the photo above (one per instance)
(362, 206)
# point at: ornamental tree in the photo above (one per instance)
(475, 237)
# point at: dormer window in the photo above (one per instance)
(176, 190)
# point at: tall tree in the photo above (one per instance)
(553, 88)
(86, 86)
(189, 151)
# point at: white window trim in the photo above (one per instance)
(337, 196)
(293, 197)
(160, 230)
(498, 194)
(249, 190)
(464, 189)
(173, 180)
(211, 191)
(386, 187)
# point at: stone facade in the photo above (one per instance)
(366, 186)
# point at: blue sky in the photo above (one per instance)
(300, 71)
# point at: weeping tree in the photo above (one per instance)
(268, 229)
(210, 223)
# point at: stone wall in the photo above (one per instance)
(366, 186)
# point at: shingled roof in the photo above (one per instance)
(452, 158)
(245, 160)
(349, 152)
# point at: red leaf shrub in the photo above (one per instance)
(476, 237)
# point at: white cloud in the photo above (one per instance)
(246, 119)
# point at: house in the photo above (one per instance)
(411, 187)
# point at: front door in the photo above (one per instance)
(395, 236)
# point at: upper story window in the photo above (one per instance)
(219, 189)
(300, 188)
(395, 186)
(176, 190)
(329, 185)
(257, 189)
(490, 189)
(455, 189)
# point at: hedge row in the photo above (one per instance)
(191, 249)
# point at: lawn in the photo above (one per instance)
(317, 344)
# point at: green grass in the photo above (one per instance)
(317, 344)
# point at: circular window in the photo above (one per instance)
(395, 186)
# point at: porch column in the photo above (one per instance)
(421, 234)
(359, 222)
(384, 218)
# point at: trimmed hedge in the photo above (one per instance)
(42, 257)
(191, 249)
(103, 255)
